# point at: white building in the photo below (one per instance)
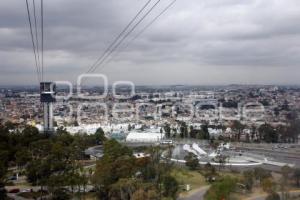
(144, 137)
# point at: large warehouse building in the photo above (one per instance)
(144, 137)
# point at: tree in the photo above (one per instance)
(296, 176)
(30, 134)
(174, 131)
(238, 127)
(139, 194)
(293, 129)
(194, 133)
(204, 129)
(123, 189)
(114, 150)
(129, 128)
(4, 157)
(285, 172)
(248, 179)
(283, 133)
(191, 161)
(273, 196)
(37, 171)
(210, 169)
(167, 130)
(183, 130)
(22, 157)
(100, 136)
(221, 159)
(76, 123)
(3, 192)
(268, 185)
(10, 126)
(117, 163)
(48, 161)
(61, 194)
(145, 193)
(253, 132)
(221, 190)
(3, 170)
(171, 187)
(53, 163)
(268, 133)
(260, 174)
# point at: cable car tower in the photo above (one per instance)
(47, 89)
(47, 98)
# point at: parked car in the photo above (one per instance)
(12, 178)
(15, 190)
(43, 191)
(27, 190)
(92, 190)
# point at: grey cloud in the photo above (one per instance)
(224, 38)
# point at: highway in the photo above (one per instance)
(278, 155)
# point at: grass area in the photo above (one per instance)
(231, 174)
(247, 195)
(192, 178)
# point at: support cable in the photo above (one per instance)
(42, 32)
(119, 36)
(36, 35)
(140, 33)
(33, 44)
(124, 37)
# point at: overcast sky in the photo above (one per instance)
(194, 42)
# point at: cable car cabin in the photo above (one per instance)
(47, 91)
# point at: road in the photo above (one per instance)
(263, 196)
(288, 156)
(15, 197)
(199, 195)
(196, 195)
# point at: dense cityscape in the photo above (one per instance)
(240, 129)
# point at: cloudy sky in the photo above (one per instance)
(194, 42)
